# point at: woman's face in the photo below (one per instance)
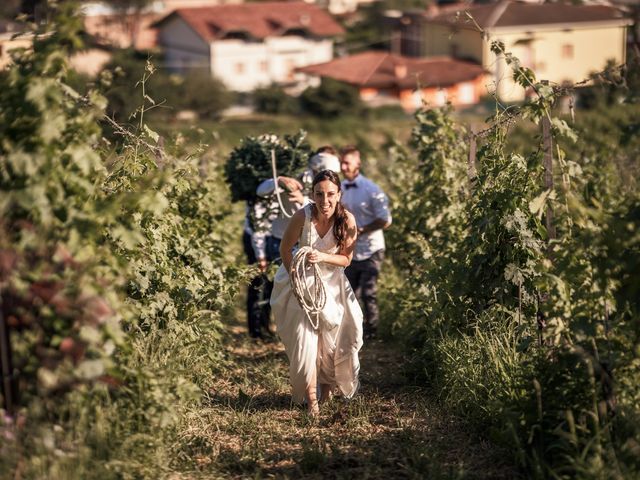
(326, 195)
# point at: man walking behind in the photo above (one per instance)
(370, 207)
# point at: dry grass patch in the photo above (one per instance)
(248, 428)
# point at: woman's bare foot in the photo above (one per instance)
(312, 402)
(325, 393)
(314, 410)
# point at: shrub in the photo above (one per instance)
(200, 92)
(534, 340)
(274, 100)
(331, 99)
(113, 278)
(171, 92)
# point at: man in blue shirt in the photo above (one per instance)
(370, 206)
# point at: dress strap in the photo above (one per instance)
(305, 240)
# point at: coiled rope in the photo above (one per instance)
(312, 298)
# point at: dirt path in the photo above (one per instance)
(391, 430)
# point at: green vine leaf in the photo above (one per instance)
(536, 206)
(151, 134)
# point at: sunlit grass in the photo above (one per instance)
(247, 427)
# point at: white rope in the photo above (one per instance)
(275, 184)
(312, 298)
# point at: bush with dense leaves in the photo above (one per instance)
(331, 99)
(113, 276)
(273, 99)
(536, 342)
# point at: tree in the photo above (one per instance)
(370, 30)
(129, 13)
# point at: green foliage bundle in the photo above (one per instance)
(113, 276)
(535, 340)
(250, 163)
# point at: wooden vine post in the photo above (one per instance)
(547, 148)
(9, 384)
(471, 162)
(547, 140)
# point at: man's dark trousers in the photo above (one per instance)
(258, 293)
(363, 277)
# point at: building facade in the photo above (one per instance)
(133, 28)
(251, 45)
(561, 43)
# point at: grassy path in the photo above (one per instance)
(392, 429)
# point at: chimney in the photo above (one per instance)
(400, 70)
(432, 10)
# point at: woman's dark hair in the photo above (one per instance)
(340, 223)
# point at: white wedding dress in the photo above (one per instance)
(333, 352)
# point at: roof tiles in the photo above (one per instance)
(259, 20)
(510, 14)
(378, 69)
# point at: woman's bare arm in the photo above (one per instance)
(290, 238)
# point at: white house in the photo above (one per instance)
(560, 42)
(124, 28)
(249, 45)
(340, 7)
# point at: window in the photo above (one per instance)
(264, 66)
(567, 50)
(290, 65)
(440, 97)
(466, 93)
(236, 36)
(239, 68)
(417, 99)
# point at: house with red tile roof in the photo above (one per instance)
(382, 77)
(249, 45)
(131, 27)
(560, 42)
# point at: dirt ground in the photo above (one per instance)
(392, 429)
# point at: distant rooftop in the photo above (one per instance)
(258, 20)
(508, 13)
(99, 8)
(10, 27)
(377, 69)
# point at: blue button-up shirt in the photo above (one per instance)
(367, 202)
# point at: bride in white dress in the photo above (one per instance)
(327, 356)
